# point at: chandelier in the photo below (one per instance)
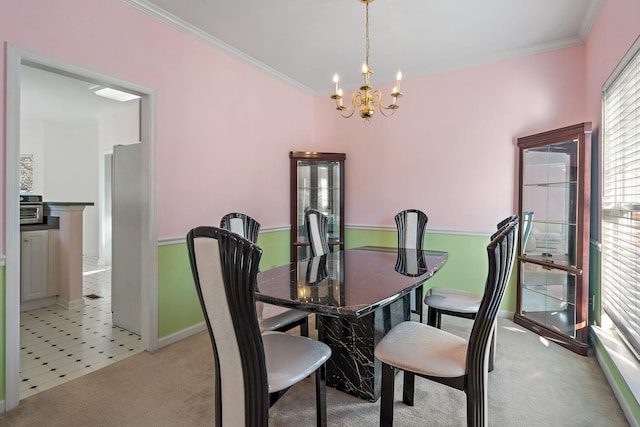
(366, 99)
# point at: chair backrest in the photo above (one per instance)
(411, 225)
(224, 267)
(506, 221)
(500, 252)
(241, 224)
(501, 226)
(317, 228)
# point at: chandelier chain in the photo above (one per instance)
(366, 24)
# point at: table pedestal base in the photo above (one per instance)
(352, 367)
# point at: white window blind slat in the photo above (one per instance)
(621, 202)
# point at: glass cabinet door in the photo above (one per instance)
(549, 297)
(319, 188)
(549, 193)
(317, 182)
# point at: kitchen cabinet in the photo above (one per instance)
(38, 264)
(34, 264)
(553, 254)
(317, 182)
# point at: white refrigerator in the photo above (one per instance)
(126, 235)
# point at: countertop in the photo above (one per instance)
(68, 203)
(49, 223)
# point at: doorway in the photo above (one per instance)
(16, 57)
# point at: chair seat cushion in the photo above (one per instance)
(291, 358)
(272, 317)
(452, 300)
(423, 349)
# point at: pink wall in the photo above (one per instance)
(222, 145)
(450, 149)
(613, 33)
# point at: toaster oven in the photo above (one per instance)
(31, 209)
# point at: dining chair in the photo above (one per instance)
(411, 225)
(271, 317)
(459, 303)
(317, 229)
(437, 355)
(252, 369)
(241, 224)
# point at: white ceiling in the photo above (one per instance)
(53, 97)
(304, 42)
(307, 41)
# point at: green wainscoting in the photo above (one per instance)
(178, 305)
(610, 357)
(178, 302)
(595, 308)
(3, 328)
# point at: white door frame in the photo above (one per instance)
(149, 311)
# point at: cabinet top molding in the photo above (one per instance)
(557, 135)
(316, 155)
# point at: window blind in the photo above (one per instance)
(621, 200)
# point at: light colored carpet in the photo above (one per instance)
(533, 384)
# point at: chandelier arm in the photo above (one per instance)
(393, 110)
(377, 100)
(355, 96)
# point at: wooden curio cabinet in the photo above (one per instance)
(553, 250)
(317, 182)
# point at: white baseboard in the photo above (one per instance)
(180, 335)
(3, 407)
(70, 305)
(37, 303)
(505, 314)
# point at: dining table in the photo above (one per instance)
(357, 295)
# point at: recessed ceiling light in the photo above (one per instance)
(116, 95)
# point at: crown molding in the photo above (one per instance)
(588, 20)
(168, 18)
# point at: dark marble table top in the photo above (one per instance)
(350, 283)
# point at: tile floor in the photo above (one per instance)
(58, 345)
